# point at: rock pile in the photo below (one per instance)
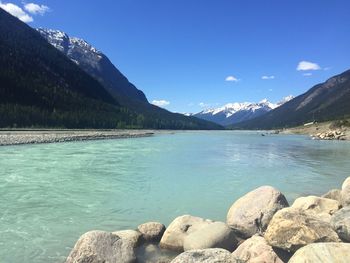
(330, 135)
(260, 227)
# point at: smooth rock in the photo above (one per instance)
(333, 194)
(340, 222)
(152, 231)
(345, 193)
(215, 235)
(291, 229)
(210, 255)
(132, 236)
(174, 235)
(100, 246)
(252, 213)
(256, 250)
(319, 206)
(323, 252)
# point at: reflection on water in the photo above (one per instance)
(51, 194)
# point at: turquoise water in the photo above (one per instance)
(50, 194)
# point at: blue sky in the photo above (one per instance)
(196, 54)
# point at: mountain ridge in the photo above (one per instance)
(94, 62)
(42, 87)
(236, 112)
(326, 101)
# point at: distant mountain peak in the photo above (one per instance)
(64, 42)
(235, 112)
(94, 62)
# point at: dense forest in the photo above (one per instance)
(41, 87)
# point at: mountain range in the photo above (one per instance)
(323, 102)
(49, 79)
(70, 84)
(233, 113)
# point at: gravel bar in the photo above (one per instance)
(16, 137)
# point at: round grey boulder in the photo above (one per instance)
(215, 235)
(256, 250)
(340, 222)
(100, 246)
(132, 236)
(323, 252)
(210, 255)
(252, 213)
(152, 231)
(291, 229)
(182, 226)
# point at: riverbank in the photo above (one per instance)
(17, 137)
(269, 231)
(319, 130)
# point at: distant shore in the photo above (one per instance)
(32, 136)
(316, 129)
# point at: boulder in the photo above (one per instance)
(210, 255)
(174, 235)
(291, 229)
(215, 235)
(333, 194)
(132, 236)
(323, 252)
(100, 246)
(345, 193)
(322, 207)
(256, 250)
(340, 222)
(252, 213)
(151, 231)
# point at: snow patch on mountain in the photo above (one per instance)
(239, 111)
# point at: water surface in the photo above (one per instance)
(50, 194)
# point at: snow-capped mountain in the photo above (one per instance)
(232, 113)
(94, 62)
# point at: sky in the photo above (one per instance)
(189, 55)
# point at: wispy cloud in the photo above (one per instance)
(307, 74)
(326, 68)
(161, 103)
(306, 65)
(16, 11)
(231, 79)
(36, 9)
(267, 77)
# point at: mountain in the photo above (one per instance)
(326, 101)
(41, 87)
(233, 113)
(96, 64)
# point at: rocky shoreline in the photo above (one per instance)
(260, 227)
(322, 131)
(17, 137)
